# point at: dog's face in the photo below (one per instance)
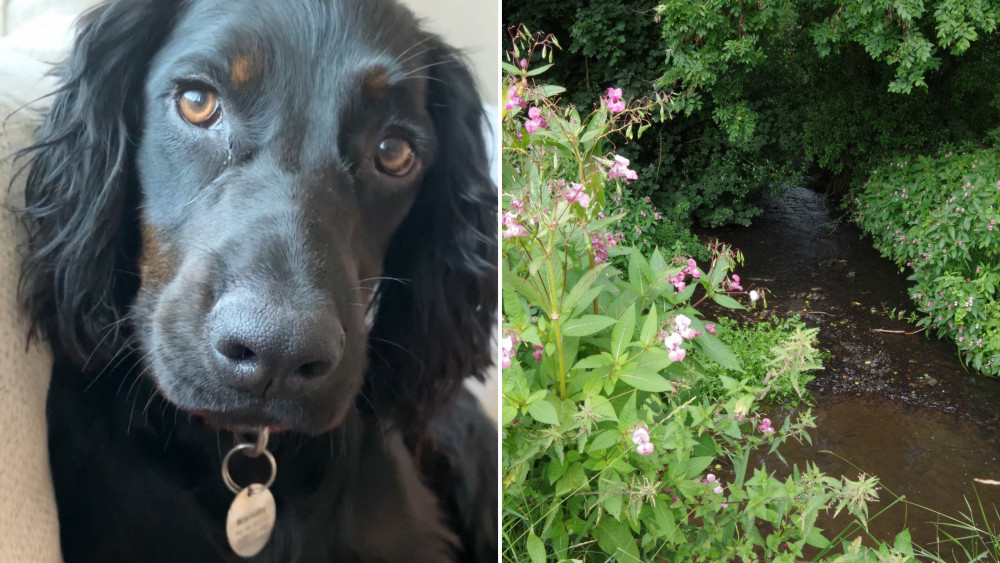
(283, 144)
(285, 165)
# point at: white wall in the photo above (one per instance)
(474, 27)
(470, 25)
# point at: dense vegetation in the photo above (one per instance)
(938, 218)
(768, 90)
(628, 423)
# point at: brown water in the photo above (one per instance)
(894, 405)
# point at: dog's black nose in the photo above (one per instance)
(263, 347)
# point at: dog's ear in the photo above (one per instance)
(78, 269)
(433, 325)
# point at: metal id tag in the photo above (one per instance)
(251, 520)
(252, 513)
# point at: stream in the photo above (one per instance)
(899, 406)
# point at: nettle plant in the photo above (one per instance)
(608, 449)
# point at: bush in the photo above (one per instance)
(938, 217)
(760, 348)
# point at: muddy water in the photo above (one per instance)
(895, 405)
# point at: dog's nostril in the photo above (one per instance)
(313, 369)
(236, 351)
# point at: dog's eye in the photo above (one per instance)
(395, 156)
(198, 107)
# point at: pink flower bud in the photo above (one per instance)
(640, 436)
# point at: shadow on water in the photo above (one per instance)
(900, 406)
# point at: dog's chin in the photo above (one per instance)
(251, 416)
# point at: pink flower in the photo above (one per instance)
(577, 195)
(765, 426)
(683, 325)
(535, 120)
(524, 64)
(614, 100)
(507, 349)
(620, 169)
(512, 229)
(725, 505)
(677, 355)
(537, 353)
(644, 449)
(640, 436)
(673, 342)
(734, 284)
(710, 478)
(717, 490)
(710, 327)
(513, 100)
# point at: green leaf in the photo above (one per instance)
(594, 362)
(696, 466)
(727, 301)
(574, 480)
(650, 327)
(538, 70)
(603, 409)
(512, 307)
(816, 538)
(524, 287)
(621, 336)
(628, 415)
(536, 549)
(602, 223)
(581, 287)
(717, 351)
(903, 543)
(639, 273)
(586, 325)
(548, 90)
(616, 540)
(718, 272)
(544, 412)
(612, 496)
(604, 440)
(645, 380)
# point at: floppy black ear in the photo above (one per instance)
(78, 272)
(433, 327)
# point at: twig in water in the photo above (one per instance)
(898, 331)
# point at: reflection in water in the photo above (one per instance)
(898, 406)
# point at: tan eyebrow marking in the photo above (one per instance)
(241, 70)
(375, 81)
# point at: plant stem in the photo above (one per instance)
(557, 332)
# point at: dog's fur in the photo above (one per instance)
(265, 268)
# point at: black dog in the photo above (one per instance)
(265, 214)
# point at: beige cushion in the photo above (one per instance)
(28, 524)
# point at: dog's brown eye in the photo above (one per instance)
(395, 156)
(198, 107)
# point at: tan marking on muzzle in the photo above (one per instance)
(156, 263)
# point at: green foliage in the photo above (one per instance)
(784, 350)
(609, 451)
(765, 89)
(939, 218)
(643, 225)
